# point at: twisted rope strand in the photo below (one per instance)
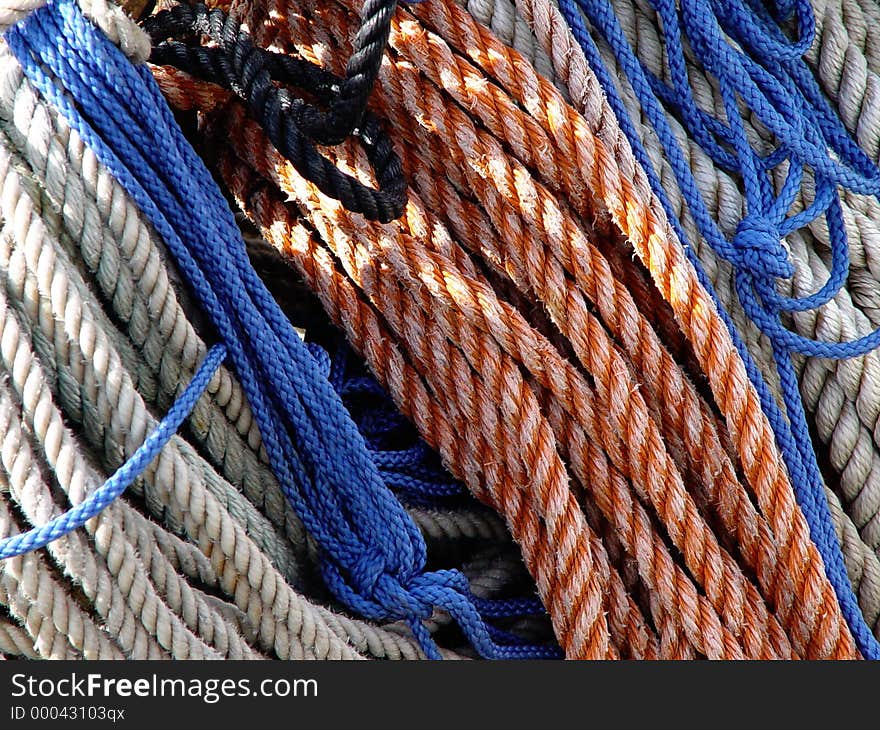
(57, 627)
(552, 29)
(464, 338)
(553, 32)
(126, 261)
(366, 635)
(365, 330)
(15, 642)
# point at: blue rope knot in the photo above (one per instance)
(753, 50)
(417, 597)
(384, 595)
(757, 249)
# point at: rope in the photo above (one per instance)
(570, 65)
(125, 260)
(443, 586)
(863, 567)
(236, 569)
(809, 481)
(351, 243)
(108, 16)
(101, 498)
(291, 121)
(14, 642)
(600, 407)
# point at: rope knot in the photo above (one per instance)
(757, 248)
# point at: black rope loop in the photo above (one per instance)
(293, 125)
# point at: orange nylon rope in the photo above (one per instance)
(504, 171)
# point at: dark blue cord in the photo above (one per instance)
(406, 463)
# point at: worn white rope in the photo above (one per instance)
(57, 626)
(118, 534)
(124, 258)
(15, 642)
(144, 619)
(72, 293)
(243, 568)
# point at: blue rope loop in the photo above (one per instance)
(756, 65)
(406, 463)
(107, 493)
(373, 556)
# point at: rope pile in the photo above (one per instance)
(476, 212)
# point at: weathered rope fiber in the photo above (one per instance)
(366, 638)
(236, 65)
(131, 358)
(627, 450)
(754, 635)
(573, 74)
(871, 601)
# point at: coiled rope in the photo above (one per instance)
(295, 126)
(101, 498)
(488, 350)
(573, 74)
(371, 593)
(244, 573)
(515, 201)
(792, 84)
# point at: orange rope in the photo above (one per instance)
(506, 408)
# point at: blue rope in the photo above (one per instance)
(770, 77)
(373, 555)
(102, 497)
(406, 463)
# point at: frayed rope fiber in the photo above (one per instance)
(838, 394)
(503, 259)
(381, 578)
(765, 72)
(730, 635)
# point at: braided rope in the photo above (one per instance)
(430, 417)
(58, 628)
(125, 259)
(687, 542)
(571, 68)
(843, 408)
(318, 627)
(810, 268)
(135, 610)
(383, 297)
(107, 15)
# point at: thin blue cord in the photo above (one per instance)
(405, 462)
(373, 555)
(102, 497)
(771, 78)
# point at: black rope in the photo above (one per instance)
(293, 125)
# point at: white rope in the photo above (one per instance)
(58, 628)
